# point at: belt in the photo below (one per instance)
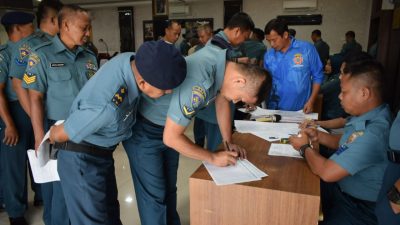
(394, 156)
(85, 148)
(140, 117)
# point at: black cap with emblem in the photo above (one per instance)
(17, 17)
(161, 64)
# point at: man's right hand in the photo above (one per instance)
(224, 158)
(312, 133)
(11, 136)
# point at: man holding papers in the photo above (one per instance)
(356, 168)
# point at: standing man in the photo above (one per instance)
(351, 43)
(205, 33)
(352, 176)
(321, 46)
(388, 204)
(102, 115)
(56, 71)
(172, 32)
(16, 135)
(295, 67)
(237, 30)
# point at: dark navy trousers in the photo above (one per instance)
(154, 169)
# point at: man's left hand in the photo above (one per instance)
(299, 140)
(236, 148)
(308, 107)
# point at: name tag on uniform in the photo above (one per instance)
(57, 64)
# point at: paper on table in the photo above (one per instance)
(243, 171)
(287, 116)
(267, 131)
(283, 150)
(43, 152)
(43, 174)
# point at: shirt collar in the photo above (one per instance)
(359, 122)
(220, 68)
(59, 47)
(223, 35)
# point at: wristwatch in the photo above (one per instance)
(393, 195)
(302, 150)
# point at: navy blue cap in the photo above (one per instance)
(160, 64)
(17, 17)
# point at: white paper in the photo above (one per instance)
(287, 116)
(43, 174)
(243, 171)
(44, 147)
(283, 150)
(267, 131)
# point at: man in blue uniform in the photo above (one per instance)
(16, 129)
(101, 116)
(356, 168)
(213, 79)
(237, 30)
(321, 46)
(295, 67)
(254, 47)
(388, 204)
(56, 71)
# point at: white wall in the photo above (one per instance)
(339, 16)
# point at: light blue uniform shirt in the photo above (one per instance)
(104, 111)
(23, 49)
(362, 153)
(293, 74)
(5, 58)
(59, 74)
(204, 78)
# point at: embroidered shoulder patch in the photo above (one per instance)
(198, 96)
(119, 96)
(354, 136)
(33, 61)
(24, 51)
(29, 78)
(91, 68)
(188, 112)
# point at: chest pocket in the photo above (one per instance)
(59, 74)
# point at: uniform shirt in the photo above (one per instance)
(384, 212)
(293, 74)
(255, 50)
(204, 78)
(59, 74)
(22, 51)
(104, 111)
(323, 50)
(5, 58)
(362, 153)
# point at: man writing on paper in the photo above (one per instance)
(355, 170)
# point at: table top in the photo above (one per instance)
(284, 173)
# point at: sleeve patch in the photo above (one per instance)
(33, 61)
(29, 78)
(119, 96)
(198, 96)
(24, 51)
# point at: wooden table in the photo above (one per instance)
(290, 195)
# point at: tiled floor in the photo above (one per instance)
(129, 211)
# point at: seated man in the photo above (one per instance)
(355, 170)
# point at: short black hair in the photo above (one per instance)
(256, 73)
(66, 10)
(241, 20)
(169, 23)
(316, 32)
(278, 25)
(292, 32)
(370, 71)
(259, 34)
(351, 34)
(355, 56)
(44, 7)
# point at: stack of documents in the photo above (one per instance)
(43, 168)
(287, 116)
(267, 131)
(243, 171)
(283, 150)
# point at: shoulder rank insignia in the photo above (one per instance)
(119, 96)
(33, 60)
(29, 78)
(188, 112)
(24, 51)
(354, 136)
